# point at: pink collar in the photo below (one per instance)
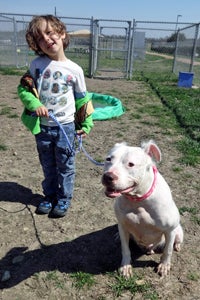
(150, 191)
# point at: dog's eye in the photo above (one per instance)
(130, 164)
(108, 159)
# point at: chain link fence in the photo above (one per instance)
(7, 41)
(154, 45)
(110, 48)
(187, 54)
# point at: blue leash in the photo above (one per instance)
(80, 145)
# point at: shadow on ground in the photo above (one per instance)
(98, 252)
(14, 192)
(95, 253)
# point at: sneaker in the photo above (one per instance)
(44, 207)
(60, 209)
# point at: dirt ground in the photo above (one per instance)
(41, 254)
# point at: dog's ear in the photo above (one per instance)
(120, 144)
(152, 150)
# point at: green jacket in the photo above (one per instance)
(31, 103)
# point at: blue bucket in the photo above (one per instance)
(185, 79)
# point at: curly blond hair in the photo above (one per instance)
(33, 31)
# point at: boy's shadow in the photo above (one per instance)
(14, 192)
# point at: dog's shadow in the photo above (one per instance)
(95, 253)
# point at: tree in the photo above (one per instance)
(173, 37)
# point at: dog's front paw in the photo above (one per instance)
(126, 271)
(163, 269)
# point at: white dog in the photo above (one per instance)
(144, 206)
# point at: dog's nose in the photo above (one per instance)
(109, 177)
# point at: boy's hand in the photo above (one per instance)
(42, 111)
(82, 133)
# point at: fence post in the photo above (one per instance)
(15, 43)
(132, 49)
(129, 50)
(175, 52)
(91, 48)
(194, 48)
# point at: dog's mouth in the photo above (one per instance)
(113, 193)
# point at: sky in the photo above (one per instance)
(140, 10)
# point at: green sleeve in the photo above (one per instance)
(80, 101)
(88, 122)
(28, 99)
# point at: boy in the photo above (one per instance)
(54, 84)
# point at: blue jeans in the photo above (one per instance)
(57, 162)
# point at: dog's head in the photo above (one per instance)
(127, 167)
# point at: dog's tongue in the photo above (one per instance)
(112, 194)
(116, 193)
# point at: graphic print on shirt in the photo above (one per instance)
(56, 91)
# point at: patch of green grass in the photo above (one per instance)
(194, 213)
(177, 169)
(136, 116)
(190, 150)
(13, 116)
(192, 210)
(3, 147)
(184, 105)
(195, 219)
(134, 285)
(81, 279)
(11, 71)
(54, 277)
(193, 276)
(119, 134)
(6, 110)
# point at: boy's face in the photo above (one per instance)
(50, 42)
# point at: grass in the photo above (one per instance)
(53, 278)
(3, 147)
(194, 212)
(12, 71)
(115, 282)
(6, 110)
(193, 276)
(185, 105)
(190, 150)
(81, 279)
(119, 284)
(134, 285)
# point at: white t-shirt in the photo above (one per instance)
(59, 83)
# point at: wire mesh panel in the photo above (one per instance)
(185, 46)
(7, 41)
(23, 54)
(79, 48)
(15, 51)
(187, 55)
(111, 48)
(153, 46)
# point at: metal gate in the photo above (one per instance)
(110, 48)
